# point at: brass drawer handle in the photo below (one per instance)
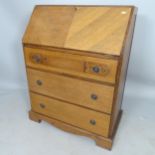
(94, 96)
(36, 58)
(42, 105)
(96, 69)
(92, 122)
(39, 82)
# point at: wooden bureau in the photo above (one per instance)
(76, 60)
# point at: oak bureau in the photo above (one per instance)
(76, 61)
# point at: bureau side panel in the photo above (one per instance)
(121, 75)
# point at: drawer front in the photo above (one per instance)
(82, 66)
(88, 94)
(97, 69)
(90, 120)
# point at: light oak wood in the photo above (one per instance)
(122, 71)
(73, 28)
(100, 140)
(72, 90)
(76, 65)
(93, 30)
(102, 69)
(49, 26)
(76, 60)
(71, 114)
(70, 51)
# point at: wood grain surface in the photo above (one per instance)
(122, 71)
(71, 114)
(94, 29)
(72, 90)
(72, 64)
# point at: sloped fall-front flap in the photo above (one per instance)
(98, 29)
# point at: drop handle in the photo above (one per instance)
(96, 69)
(39, 82)
(94, 97)
(37, 58)
(42, 105)
(92, 122)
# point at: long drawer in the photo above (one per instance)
(90, 120)
(81, 66)
(88, 94)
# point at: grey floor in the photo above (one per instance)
(20, 136)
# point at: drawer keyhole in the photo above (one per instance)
(92, 122)
(94, 96)
(39, 82)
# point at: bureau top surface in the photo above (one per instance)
(96, 29)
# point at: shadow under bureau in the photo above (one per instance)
(76, 60)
